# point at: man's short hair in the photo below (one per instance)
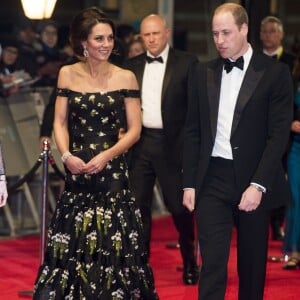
(272, 19)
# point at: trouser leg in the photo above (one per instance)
(170, 180)
(214, 213)
(142, 179)
(184, 224)
(277, 220)
(214, 240)
(252, 230)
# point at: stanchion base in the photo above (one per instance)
(172, 245)
(26, 293)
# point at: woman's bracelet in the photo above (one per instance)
(65, 156)
(2, 178)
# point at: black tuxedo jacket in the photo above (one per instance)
(288, 59)
(260, 127)
(174, 96)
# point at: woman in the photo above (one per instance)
(3, 188)
(291, 244)
(95, 248)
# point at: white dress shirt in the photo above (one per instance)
(277, 52)
(152, 91)
(230, 87)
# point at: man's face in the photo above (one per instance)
(155, 35)
(271, 36)
(230, 40)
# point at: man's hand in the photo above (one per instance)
(251, 199)
(295, 127)
(189, 199)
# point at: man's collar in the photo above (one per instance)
(277, 52)
(163, 54)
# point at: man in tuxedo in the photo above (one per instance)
(238, 122)
(162, 73)
(271, 36)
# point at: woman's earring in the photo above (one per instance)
(85, 52)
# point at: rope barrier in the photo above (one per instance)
(54, 166)
(29, 175)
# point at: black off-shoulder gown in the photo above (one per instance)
(95, 248)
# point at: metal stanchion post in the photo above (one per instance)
(43, 209)
(44, 200)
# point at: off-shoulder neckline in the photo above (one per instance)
(98, 92)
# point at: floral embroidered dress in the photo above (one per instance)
(95, 248)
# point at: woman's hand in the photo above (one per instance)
(75, 165)
(96, 164)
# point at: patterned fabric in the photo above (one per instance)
(95, 248)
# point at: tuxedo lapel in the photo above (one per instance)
(139, 71)
(170, 67)
(214, 76)
(249, 84)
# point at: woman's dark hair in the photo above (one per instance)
(82, 25)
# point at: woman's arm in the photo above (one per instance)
(60, 126)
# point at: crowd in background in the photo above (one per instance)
(34, 52)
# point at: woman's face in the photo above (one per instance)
(9, 55)
(49, 36)
(100, 42)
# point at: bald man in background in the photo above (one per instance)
(162, 73)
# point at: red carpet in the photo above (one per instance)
(19, 260)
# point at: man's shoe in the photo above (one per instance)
(191, 275)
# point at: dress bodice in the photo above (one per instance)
(95, 118)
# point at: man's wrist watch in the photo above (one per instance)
(258, 187)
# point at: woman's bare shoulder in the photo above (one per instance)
(67, 74)
(69, 69)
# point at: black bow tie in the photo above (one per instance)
(228, 64)
(274, 56)
(150, 59)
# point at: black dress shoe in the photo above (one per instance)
(191, 275)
